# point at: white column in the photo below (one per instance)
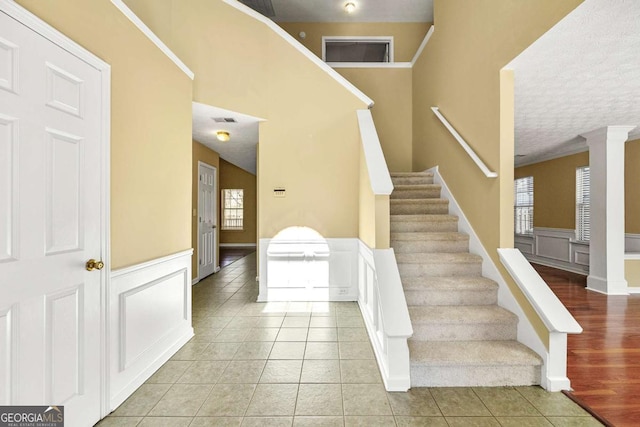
(606, 247)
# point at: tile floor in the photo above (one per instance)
(306, 364)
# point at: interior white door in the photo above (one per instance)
(207, 220)
(50, 226)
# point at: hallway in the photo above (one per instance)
(306, 364)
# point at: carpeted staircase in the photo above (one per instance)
(461, 336)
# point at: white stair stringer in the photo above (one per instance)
(461, 336)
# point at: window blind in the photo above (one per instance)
(523, 205)
(583, 202)
(232, 209)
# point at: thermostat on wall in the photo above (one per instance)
(279, 192)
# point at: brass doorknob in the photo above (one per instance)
(92, 264)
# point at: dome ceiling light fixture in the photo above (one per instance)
(223, 135)
(350, 7)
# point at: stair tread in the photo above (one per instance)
(460, 314)
(453, 283)
(423, 218)
(434, 200)
(426, 235)
(409, 174)
(401, 187)
(438, 258)
(472, 353)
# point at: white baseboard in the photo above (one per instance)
(195, 281)
(237, 245)
(323, 270)
(526, 333)
(143, 336)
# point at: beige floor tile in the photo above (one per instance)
(230, 400)
(243, 371)
(319, 399)
(322, 322)
(300, 308)
(505, 402)
(270, 322)
(181, 400)
(165, 422)
(282, 371)
(231, 335)
(112, 421)
(287, 350)
(352, 334)
(273, 400)
(220, 351)
(524, 422)
(472, 422)
(347, 309)
(296, 322)
(350, 321)
(323, 421)
(459, 402)
(169, 372)
(246, 322)
(262, 334)
(142, 400)
(292, 334)
(415, 402)
(216, 422)
(551, 404)
(321, 350)
(267, 422)
(574, 422)
(320, 371)
(359, 372)
(356, 350)
(190, 351)
(214, 322)
(369, 421)
(322, 334)
(254, 351)
(203, 372)
(403, 421)
(365, 399)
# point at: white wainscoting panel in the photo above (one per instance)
(150, 319)
(555, 247)
(308, 270)
(632, 242)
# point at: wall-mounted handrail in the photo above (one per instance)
(376, 165)
(552, 312)
(488, 173)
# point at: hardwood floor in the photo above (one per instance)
(603, 361)
(229, 255)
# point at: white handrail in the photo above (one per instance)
(376, 165)
(553, 313)
(488, 173)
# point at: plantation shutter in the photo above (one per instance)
(583, 202)
(523, 209)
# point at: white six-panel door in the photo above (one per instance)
(207, 220)
(50, 225)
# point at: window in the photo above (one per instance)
(232, 209)
(583, 202)
(357, 49)
(523, 208)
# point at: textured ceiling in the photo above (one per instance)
(581, 75)
(241, 149)
(366, 11)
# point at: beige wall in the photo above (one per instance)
(407, 36)
(632, 272)
(459, 71)
(150, 129)
(232, 176)
(306, 124)
(210, 157)
(554, 184)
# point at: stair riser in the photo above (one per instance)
(474, 376)
(449, 297)
(403, 246)
(412, 180)
(495, 331)
(424, 226)
(413, 194)
(419, 208)
(440, 270)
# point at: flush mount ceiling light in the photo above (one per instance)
(223, 136)
(350, 7)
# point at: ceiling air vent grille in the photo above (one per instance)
(262, 6)
(224, 120)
